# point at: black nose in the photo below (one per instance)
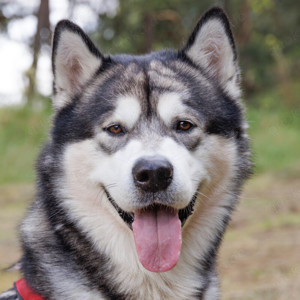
(152, 174)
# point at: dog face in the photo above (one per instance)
(153, 137)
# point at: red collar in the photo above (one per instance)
(26, 292)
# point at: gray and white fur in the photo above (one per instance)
(181, 107)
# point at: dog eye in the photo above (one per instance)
(184, 126)
(115, 129)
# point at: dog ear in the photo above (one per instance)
(74, 61)
(211, 47)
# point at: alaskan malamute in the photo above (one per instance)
(144, 165)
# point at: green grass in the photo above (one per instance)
(275, 136)
(22, 132)
(275, 132)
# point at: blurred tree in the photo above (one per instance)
(20, 13)
(141, 26)
(42, 36)
(267, 32)
(11, 11)
(268, 37)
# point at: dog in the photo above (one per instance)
(143, 168)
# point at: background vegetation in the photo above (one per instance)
(260, 257)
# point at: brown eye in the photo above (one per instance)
(115, 129)
(184, 126)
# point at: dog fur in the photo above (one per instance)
(110, 112)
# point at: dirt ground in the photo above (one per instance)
(259, 258)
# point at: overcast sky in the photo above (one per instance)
(15, 55)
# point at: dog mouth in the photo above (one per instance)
(128, 217)
(157, 233)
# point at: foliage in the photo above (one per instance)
(267, 33)
(274, 132)
(22, 132)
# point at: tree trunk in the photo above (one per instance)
(149, 24)
(42, 36)
(246, 24)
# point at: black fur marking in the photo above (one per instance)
(182, 55)
(221, 114)
(187, 211)
(227, 118)
(127, 217)
(107, 63)
(71, 123)
(148, 94)
(208, 262)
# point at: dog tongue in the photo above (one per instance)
(157, 235)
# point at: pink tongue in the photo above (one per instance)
(157, 235)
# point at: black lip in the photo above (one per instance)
(184, 213)
(128, 217)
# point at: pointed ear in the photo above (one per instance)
(211, 47)
(74, 61)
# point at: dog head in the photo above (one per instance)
(154, 135)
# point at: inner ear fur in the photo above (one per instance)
(211, 46)
(75, 59)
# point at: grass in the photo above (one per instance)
(274, 128)
(14, 198)
(275, 139)
(22, 132)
